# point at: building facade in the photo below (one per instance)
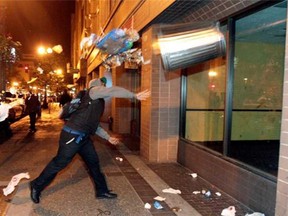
(224, 118)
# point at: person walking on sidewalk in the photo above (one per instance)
(75, 138)
(32, 108)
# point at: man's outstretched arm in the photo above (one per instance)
(117, 92)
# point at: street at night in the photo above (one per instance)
(72, 191)
(171, 108)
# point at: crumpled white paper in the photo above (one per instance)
(171, 190)
(255, 214)
(119, 159)
(14, 182)
(147, 206)
(194, 175)
(230, 211)
(159, 198)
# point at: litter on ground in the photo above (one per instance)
(157, 205)
(194, 175)
(147, 206)
(159, 198)
(255, 214)
(171, 190)
(218, 193)
(230, 211)
(14, 182)
(176, 209)
(119, 159)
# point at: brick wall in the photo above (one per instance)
(122, 108)
(146, 108)
(282, 181)
(253, 190)
(114, 112)
(217, 10)
(160, 118)
(107, 112)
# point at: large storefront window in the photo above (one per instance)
(257, 87)
(256, 102)
(205, 103)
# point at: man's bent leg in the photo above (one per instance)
(60, 161)
(90, 157)
(32, 121)
(44, 179)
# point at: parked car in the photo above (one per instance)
(5, 129)
(17, 108)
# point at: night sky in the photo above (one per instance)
(40, 22)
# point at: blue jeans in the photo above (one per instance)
(65, 154)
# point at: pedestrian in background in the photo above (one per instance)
(32, 108)
(4, 121)
(75, 138)
(65, 97)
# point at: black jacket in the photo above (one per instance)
(87, 117)
(32, 104)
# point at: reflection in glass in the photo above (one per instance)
(257, 88)
(205, 103)
(257, 93)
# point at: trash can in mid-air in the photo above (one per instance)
(182, 45)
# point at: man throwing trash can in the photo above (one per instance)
(75, 138)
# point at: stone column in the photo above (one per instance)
(159, 114)
(122, 108)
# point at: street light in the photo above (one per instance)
(58, 72)
(43, 50)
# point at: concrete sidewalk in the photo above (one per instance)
(71, 193)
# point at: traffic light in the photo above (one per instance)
(26, 68)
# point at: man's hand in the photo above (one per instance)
(143, 95)
(114, 140)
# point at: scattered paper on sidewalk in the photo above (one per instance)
(255, 214)
(218, 193)
(147, 206)
(194, 175)
(196, 192)
(208, 193)
(171, 190)
(159, 198)
(230, 211)
(119, 159)
(14, 182)
(176, 209)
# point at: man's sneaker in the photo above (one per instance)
(107, 195)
